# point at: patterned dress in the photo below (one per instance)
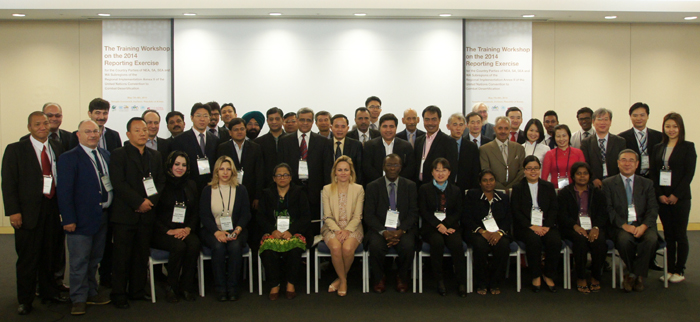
(343, 220)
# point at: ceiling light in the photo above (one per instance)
(610, 17)
(18, 15)
(528, 16)
(189, 14)
(691, 18)
(445, 15)
(103, 14)
(360, 14)
(275, 14)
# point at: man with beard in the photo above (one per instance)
(213, 125)
(98, 111)
(362, 132)
(176, 123)
(254, 122)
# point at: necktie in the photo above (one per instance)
(54, 136)
(338, 151)
(504, 151)
(392, 196)
(373, 126)
(201, 143)
(602, 148)
(411, 139)
(642, 143)
(585, 135)
(102, 173)
(476, 142)
(213, 131)
(512, 136)
(302, 148)
(364, 139)
(46, 170)
(628, 188)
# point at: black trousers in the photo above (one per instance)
(282, 263)
(581, 247)
(489, 273)
(130, 266)
(36, 254)
(675, 221)
(406, 249)
(59, 265)
(105, 269)
(550, 243)
(637, 252)
(453, 242)
(183, 259)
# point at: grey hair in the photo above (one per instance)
(636, 156)
(475, 107)
(459, 116)
(602, 111)
(502, 118)
(305, 110)
(43, 108)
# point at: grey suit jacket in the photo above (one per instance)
(591, 151)
(643, 198)
(491, 158)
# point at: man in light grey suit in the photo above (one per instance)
(633, 211)
(493, 155)
(601, 149)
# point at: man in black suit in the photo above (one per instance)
(377, 149)
(601, 149)
(411, 133)
(28, 190)
(487, 130)
(343, 145)
(152, 118)
(290, 122)
(228, 113)
(516, 118)
(551, 120)
(468, 163)
(199, 144)
(55, 114)
(640, 138)
(269, 143)
(254, 122)
(215, 116)
(323, 123)
(435, 144)
(474, 120)
(391, 217)
(137, 176)
(307, 154)
(176, 123)
(98, 111)
(362, 132)
(633, 211)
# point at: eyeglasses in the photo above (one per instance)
(532, 169)
(49, 115)
(284, 175)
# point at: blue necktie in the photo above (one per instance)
(628, 188)
(105, 197)
(201, 144)
(392, 196)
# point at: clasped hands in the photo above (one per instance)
(539, 230)
(180, 233)
(281, 235)
(444, 230)
(670, 200)
(491, 237)
(224, 237)
(392, 237)
(592, 235)
(636, 231)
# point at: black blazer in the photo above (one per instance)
(112, 139)
(654, 137)
(591, 151)
(468, 165)
(377, 204)
(521, 203)
(642, 194)
(164, 147)
(443, 146)
(522, 138)
(188, 142)
(476, 209)
(569, 207)
(23, 181)
(164, 210)
(126, 171)
(428, 205)
(297, 208)
(251, 165)
(224, 135)
(373, 159)
(318, 160)
(682, 163)
(64, 138)
(355, 134)
(482, 138)
(353, 149)
(240, 215)
(404, 134)
(269, 153)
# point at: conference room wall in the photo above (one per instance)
(574, 65)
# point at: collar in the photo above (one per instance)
(495, 196)
(195, 131)
(472, 138)
(38, 145)
(387, 181)
(87, 149)
(607, 136)
(442, 186)
(299, 133)
(335, 141)
(390, 144)
(459, 141)
(638, 131)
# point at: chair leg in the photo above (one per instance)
(665, 268)
(250, 271)
(316, 272)
(200, 273)
(518, 269)
(153, 286)
(420, 272)
(415, 263)
(614, 271)
(470, 281)
(260, 272)
(308, 271)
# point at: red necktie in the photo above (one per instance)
(512, 136)
(46, 170)
(302, 148)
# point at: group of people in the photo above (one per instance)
(224, 190)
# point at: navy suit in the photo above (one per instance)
(111, 137)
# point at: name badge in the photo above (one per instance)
(240, 176)
(585, 222)
(107, 183)
(150, 186)
(645, 162)
(665, 178)
(203, 166)
(631, 213)
(226, 223)
(422, 162)
(392, 219)
(48, 183)
(303, 170)
(440, 215)
(536, 217)
(490, 224)
(179, 214)
(283, 223)
(605, 170)
(562, 182)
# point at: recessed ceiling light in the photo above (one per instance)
(691, 18)
(360, 14)
(445, 15)
(189, 14)
(103, 14)
(18, 15)
(610, 17)
(528, 16)
(275, 14)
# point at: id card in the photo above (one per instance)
(226, 223)
(562, 182)
(303, 170)
(536, 217)
(392, 219)
(585, 222)
(605, 169)
(107, 183)
(203, 166)
(283, 223)
(48, 183)
(440, 215)
(179, 214)
(665, 178)
(631, 213)
(240, 176)
(645, 162)
(490, 224)
(150, 186)
(422, 162)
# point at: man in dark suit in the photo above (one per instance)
(640, 138)
(55, 114)
(411, 133)
(435, 144)
(152, 118)
(468, 164)
(391, 216)
(377, 149)
(86, 194)
(307, 154)
(633, 211)
(137, 176)
(343, 145)
(228, 113)
(516, 118)
(487, 129)
(323, 123)
(362, 132)
(215, 116)
(601, 149)
(176, 123)
(550, 121)
(28, 190)
(269, 143)
(98, 111)
(475, 136)
(199, 144)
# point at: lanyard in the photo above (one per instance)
(228, 207)
(534, 148)
(556, 161)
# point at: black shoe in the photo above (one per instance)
(441, 288)
(536, 288)
(145, 297)
(62, 288)
(234, 296)
(24, 309)
(552, 288)
(121, 304)
(189, 296)
(170, 296)
(222, 297)
(59, 298)
(462, 291)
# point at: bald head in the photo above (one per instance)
(88, 133)
(410, 119)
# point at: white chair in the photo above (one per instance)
(157, 257)
(205, 255)
(425, 252)
(392, 253)
(611, 251)
(261, 272)
(565, 255)
(515, 251)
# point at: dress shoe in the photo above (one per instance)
(145, 297)
(189, 296)
(98, 300)
(121, 304)
(222, 297)
(628, 283)
(291, 295)
(536, 288)
(676, 278)
(274, 296)
(24, 309)
(401, 287)
(462, 291)
(552, 288)
(381, 286)
(59, 298)
(170, 296)
(639, 284)
(62, 288)
(234, 295)
(78, 308)
(441, 288)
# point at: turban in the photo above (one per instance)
(254, 115)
